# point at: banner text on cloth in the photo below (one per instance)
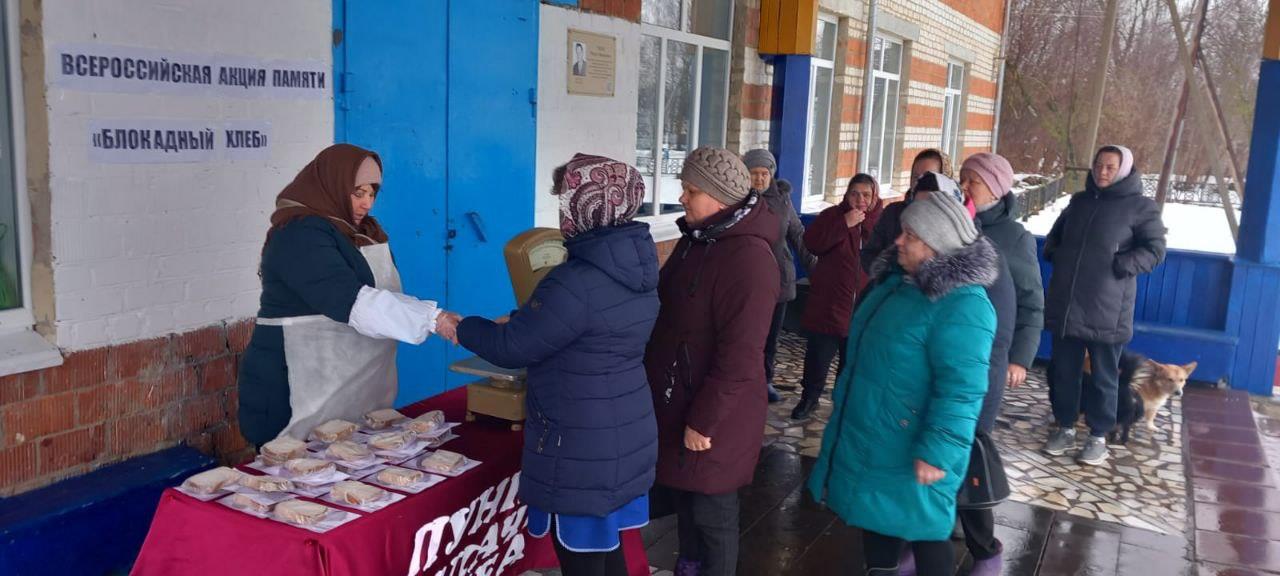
(126, 69)
(173, 141)
(501, 546)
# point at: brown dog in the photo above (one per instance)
(1149, 384)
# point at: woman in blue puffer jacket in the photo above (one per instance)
(591, 442)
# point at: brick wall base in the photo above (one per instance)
(108, 404)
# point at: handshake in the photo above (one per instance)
(447, 325)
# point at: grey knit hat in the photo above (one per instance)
(941, 222)
(719, 173)
(760, 158)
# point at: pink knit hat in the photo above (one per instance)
(994, 171)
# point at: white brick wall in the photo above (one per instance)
(571, 123)
(147, 249)
(939, 26)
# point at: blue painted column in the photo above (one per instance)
(1260, 221)
(789, 128)
(1255, 290)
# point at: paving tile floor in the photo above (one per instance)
(1128, 517)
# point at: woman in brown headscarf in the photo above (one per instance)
(331, 309)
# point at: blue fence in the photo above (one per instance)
(1213, 309)
(1181, 314)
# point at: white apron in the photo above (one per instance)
(334, 371)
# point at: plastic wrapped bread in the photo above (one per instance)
(443, 461)
(427, 422)
(379, 419)
(388, 441)
(347, 451)
(308, 466)
(400, 477)
(266, 483)
(300, 512)
(247, 502)
(283, 449)
(211, 481)
(334, 431)
(357, 493)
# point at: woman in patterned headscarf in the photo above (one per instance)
(590, 438)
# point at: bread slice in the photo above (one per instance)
(266, 483)
(388, 441)
(347, 451)
(400, 477)
(211, 481)
(443, 461)
(283, 449)
(300, 512)
(379, 419)
(334, 431)
(307, 466)
(357, 493)
(427, 422)
(246, 502)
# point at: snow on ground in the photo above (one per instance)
(1198, 228)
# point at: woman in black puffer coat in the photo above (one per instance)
(1108, 235)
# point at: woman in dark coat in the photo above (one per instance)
(889, 227)
(1108, 235)
(326, 260)
(705, 361)
(836, 236)
(777, 195)
(590, 438)
(1018, 298)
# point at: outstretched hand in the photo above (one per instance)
(447, 326)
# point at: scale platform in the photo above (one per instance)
(500, 394)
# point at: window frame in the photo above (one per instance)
(816, 62)
(21, 318)
(663, 225)
(888, 134)
(953, 109)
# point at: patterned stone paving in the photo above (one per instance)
(791, 435)
(1142, 485)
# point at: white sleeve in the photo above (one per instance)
(384, 314)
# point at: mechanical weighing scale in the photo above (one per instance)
(530, 256)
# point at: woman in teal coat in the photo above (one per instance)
(907, 401)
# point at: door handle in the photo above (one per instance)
(477, 224)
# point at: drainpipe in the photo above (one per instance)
(1004, 57)
(868, 88)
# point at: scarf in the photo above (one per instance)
(597, 192)
(323, 188)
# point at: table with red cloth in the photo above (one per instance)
(469, 525)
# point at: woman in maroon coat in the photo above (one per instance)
(705, 360)
(836, 237)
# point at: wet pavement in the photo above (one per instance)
(1200, 497)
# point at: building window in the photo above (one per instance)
(684, 91)
(953, 109)
(822, 80)
(12, 269)
(886, 78)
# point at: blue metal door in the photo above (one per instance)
(493, 79)
(443, 91)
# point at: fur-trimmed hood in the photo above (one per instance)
(977, 263)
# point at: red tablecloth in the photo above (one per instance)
(470, 525)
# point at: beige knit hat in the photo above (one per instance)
(719, 173)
